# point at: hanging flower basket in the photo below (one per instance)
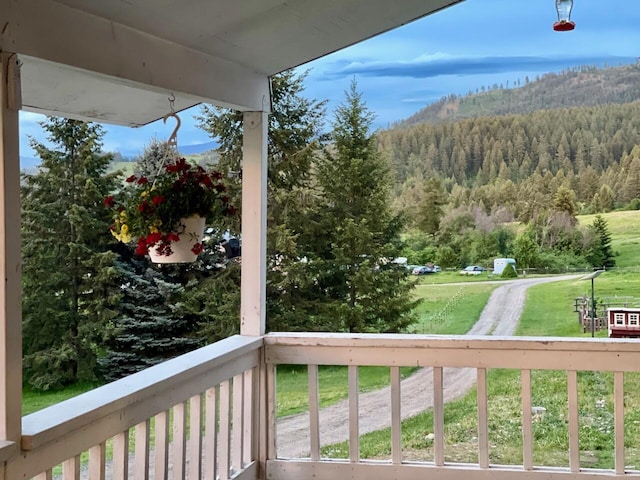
(184, 244)
(167, 215)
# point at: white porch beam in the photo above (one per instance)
(52, 31)
(254, 224)
(10, 256)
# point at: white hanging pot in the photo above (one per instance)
(183, 250)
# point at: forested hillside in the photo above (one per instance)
(512, 184)
(519, 161)
(580, 86)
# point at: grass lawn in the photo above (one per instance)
(625, 235)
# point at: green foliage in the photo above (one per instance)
(600, 253)
(69, 281)
(509, 271)
(152, 212)
(147, 328)
(294, 137)
(354, 236)
(431, 210)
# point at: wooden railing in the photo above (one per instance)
(143, 426)
(480, 354)
(190, 417)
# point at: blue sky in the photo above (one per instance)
(473, 44)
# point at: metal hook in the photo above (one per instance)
(172, 99)
(173, 138)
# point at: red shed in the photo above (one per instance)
(623, 322)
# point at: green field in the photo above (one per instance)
(625, 235)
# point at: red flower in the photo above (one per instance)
(181, 165)
(173, 237)
(142, 248)
(153, 238)
(157, 200)
(131, 179)
(108, 202)
(143, 181)
(197, 248)
(143, 207)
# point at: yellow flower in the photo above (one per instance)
(124, 236)
(153, 229)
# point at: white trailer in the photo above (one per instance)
(499, 264)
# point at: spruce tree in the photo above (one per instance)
(147, 329)
(70, 285)
(600, 253)
(357, 286)
(293, 140)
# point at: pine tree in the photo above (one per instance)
(357, 287)
(294, 138)
(70, 286)
(600, 253)
(431, 210)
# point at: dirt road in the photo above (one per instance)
(499, 317)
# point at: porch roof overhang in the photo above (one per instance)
(118, 61)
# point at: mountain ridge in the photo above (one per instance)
(576, 87)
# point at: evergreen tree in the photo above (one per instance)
(431, 210)
(147, 329)
(70, 285)
(153, 160)
(294, 138)
(600, 253)
(357, 287)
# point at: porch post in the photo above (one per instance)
(10, 256)
(254, 224)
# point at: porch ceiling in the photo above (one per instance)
(117, 61)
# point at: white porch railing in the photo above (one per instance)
(143, 426)
(190, 417)
(480, 354)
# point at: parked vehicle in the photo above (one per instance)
(422, 271)
(472, 270)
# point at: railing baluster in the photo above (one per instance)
(354, 426)
(195, 436)
(483, 429)
(161, 447)
(247, 418)
(120, 463)
(438, 417)
(179, 444)
(618, 407)
(142, 451)
(270, 380)
(71, 468)
(48, 475)
(527, 433)
(97, 462)
(574, 427)
(225, 430)
(396, 417)
(237, 423)
(314, 408)
(211, 433)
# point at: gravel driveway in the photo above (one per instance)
(499, 317)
